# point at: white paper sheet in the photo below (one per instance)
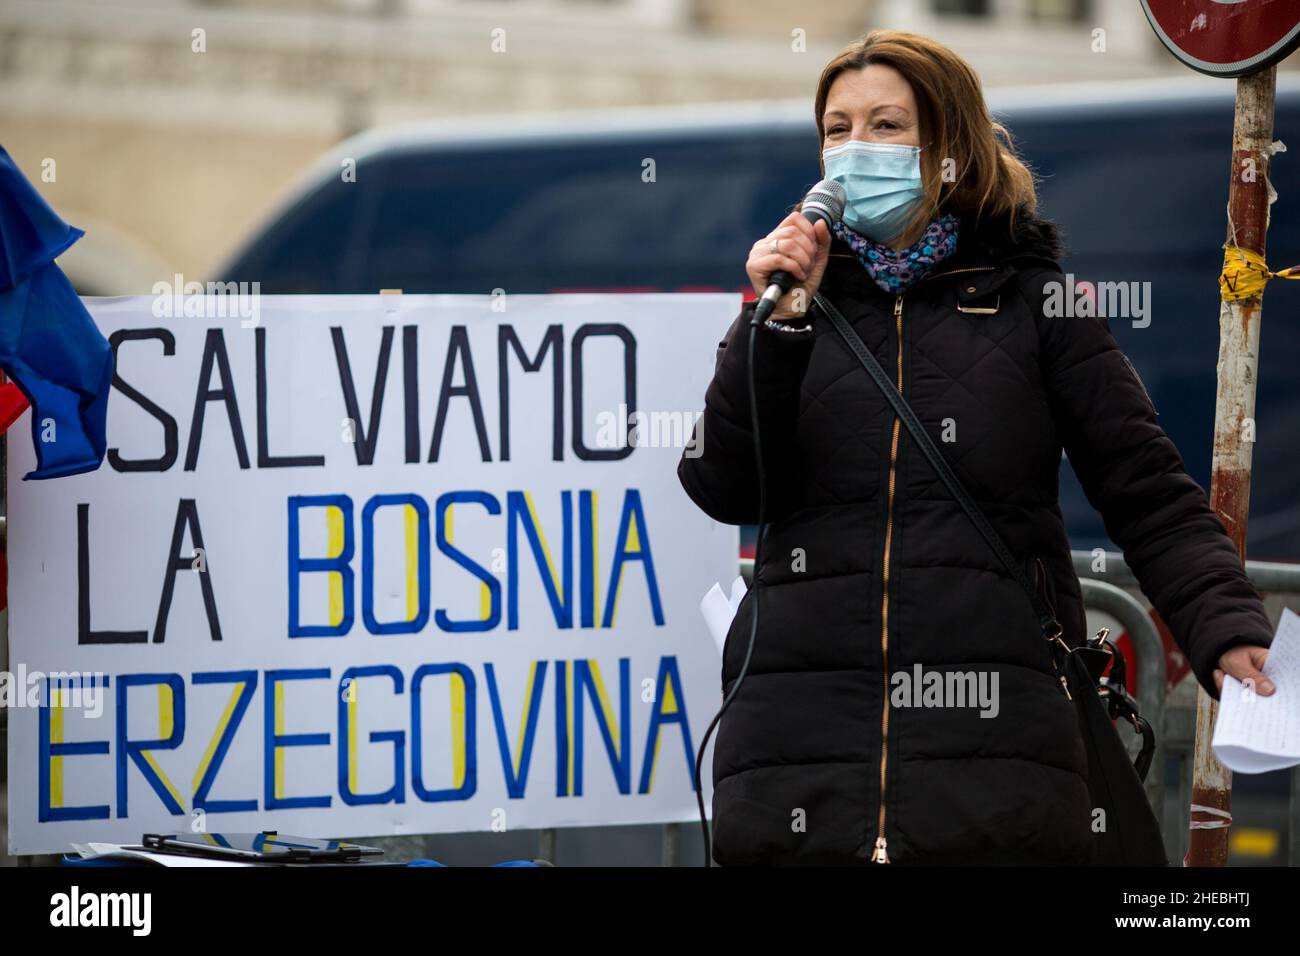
(718, 609)
(1255, 734)
(114, 851)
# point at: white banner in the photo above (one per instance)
(367, 565)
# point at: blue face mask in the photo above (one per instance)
(883, 182)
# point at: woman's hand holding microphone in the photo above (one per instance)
(798, 247)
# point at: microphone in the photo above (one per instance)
(825, 201)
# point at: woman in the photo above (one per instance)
(871, 575)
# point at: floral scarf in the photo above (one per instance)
(896, 270)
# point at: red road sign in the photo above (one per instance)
(1226, 37)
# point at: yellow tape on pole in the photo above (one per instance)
(1245, 274)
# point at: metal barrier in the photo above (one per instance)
(1173, 716)
(1151, 677)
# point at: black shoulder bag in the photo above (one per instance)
(1131, 836)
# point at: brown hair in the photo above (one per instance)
(991, 181)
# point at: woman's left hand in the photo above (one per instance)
(1245, 663)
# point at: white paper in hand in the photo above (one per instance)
(738, 590)
(1254, 734)
(719, 609)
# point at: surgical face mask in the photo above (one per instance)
(883, 183)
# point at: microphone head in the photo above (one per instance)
(825, 201)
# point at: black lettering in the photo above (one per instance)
(411, 392)
(85, 633)
(629, 384)
(554, 338)
(264, 457)
(363, 440)
(187, 516)
(215, 348)
(459, 345)
(170, 444)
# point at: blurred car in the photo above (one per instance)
(671, 199)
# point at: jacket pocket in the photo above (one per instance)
(1043, 581)
(1035, 570)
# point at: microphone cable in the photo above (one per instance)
(825, 201)
(754, 330)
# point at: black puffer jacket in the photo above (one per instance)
(869, 568)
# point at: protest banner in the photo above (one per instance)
(367, 565)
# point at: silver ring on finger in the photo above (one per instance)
(776, 245)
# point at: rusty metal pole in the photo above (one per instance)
(1234, 427)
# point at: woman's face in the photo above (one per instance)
(873, 105)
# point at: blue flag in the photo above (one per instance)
(49, 344)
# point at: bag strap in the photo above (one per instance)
(1052, 629)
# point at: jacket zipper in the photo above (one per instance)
(953, 272)
(880, 854)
